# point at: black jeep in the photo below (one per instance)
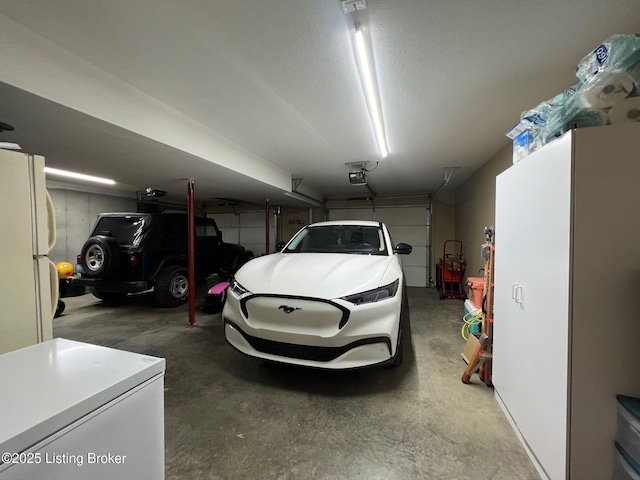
(133, 252)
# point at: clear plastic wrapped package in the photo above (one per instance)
(610, 73)
(608, 92)
(539, 117)
(550, 119)
(606, 89)
(588, 118)
(615, 53)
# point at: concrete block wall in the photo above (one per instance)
(75, 217)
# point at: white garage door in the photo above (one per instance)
(247, 229)
(406, 224)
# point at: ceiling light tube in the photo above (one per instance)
(10, 146)
(78, 176)
(370, 91)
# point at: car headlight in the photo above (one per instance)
(371, 296)
(238, 289)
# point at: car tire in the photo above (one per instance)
(100, 257)
(172, 286)
(59, 309)
(108, 297)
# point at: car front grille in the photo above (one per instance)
(294, 314)
(304, 352)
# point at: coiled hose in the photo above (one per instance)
(470, 319)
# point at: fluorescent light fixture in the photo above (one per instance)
(78, 176)
(370, 91)
(10, 146)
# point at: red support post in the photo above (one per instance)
(267, 249)
(191, 252)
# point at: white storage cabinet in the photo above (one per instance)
(567, 314)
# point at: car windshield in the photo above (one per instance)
(126, 230)
(354, 239)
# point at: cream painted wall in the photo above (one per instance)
(475, 208)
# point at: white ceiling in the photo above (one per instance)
(245, 95)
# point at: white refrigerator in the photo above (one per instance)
(29, 280)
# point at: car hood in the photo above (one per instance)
(321, 275)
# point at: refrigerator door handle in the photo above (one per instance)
(55, 288)
(51, 221)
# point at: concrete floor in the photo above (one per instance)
(228, 416)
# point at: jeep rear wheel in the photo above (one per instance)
(172, 287)
(100, 256)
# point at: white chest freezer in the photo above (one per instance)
(74, 410)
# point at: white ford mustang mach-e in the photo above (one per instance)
(331, 298)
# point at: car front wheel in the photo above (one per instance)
(172, 287)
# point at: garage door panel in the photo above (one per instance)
(254, 239)
(252, 219)
(418, 257)
(226, 220)
(402, 216)
(414, 236)
(415, 276)
(247, 229)
(407, 225)
(252, 235)
(230, 235)
(351, 214)
(252, 231)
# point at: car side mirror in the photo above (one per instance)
(403, 249)
(279, 246)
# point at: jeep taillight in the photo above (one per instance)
(134, 261)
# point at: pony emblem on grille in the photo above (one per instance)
(288, 309)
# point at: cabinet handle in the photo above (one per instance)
(513, 290)
(518, 298)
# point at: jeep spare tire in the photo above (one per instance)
(100, 257)
(172, 286)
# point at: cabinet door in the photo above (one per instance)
(532, 300)
(122, 440)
